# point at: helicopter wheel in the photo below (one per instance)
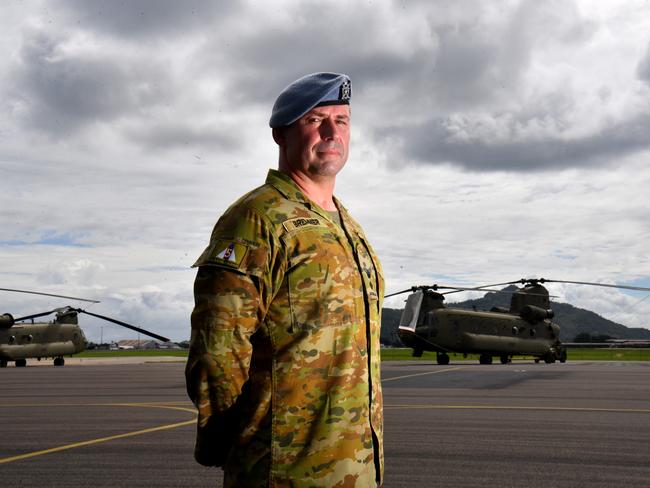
(3, 363)
(505, 359)
(21, 363)
(442, 358)
(563, 356)
(417, 353)
(485, 359)
(59, 361)
(549, 358)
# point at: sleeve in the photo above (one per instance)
(230, 294)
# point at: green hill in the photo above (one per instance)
(572, 320)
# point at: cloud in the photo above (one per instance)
(48, 237)
(491, 140)
(287, 43)
(163, 136)
(496, 142)
(59, 87)
(135, 19)
(643, 69)
(76, 273)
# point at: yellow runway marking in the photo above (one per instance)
(150, 405)
(111, 404)
(96, 441)
(168, 406)
(420, 374)
(505, 407)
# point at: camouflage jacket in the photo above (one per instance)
(284, 356)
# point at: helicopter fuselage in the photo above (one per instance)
(426, 325)
(40, 340)
(455, 330)
(22, 338)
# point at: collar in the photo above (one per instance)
(285, 185)
(288, 188)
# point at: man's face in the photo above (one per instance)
(317, 143)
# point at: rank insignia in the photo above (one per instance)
(345, 91)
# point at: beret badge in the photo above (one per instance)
(345, 91)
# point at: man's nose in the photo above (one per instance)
(329, 129)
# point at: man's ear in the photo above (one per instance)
(278, 136)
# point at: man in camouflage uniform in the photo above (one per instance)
(284, 356)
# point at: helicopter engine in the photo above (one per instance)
(66, 315)
(6, 321)
(534, 314)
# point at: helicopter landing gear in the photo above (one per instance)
(3, 363)
(505, 359)
(442, 358)
(21, 363)
(417, 353)
(485, 359)
(563, 356)
(59, 361)
(549, 358)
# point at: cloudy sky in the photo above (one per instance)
(491, 141)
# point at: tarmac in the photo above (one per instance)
(107, 423)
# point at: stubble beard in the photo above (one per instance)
(328, 166)
(326, 169)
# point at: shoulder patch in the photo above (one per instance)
(227, 252)
(300, 222)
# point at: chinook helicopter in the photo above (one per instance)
(21, 338)
(524, 329)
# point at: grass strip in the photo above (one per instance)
(610, 354)
(404, 354)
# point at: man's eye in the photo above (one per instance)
(313, 120)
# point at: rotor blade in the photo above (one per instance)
(27, 317)
(456, 289)
(625, 287)
(479, 288)
(400, 292)
(416, 288)
(49, 295)
(503, 291)
(124, 324)
(440, 287)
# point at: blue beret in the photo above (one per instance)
(308, 92)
